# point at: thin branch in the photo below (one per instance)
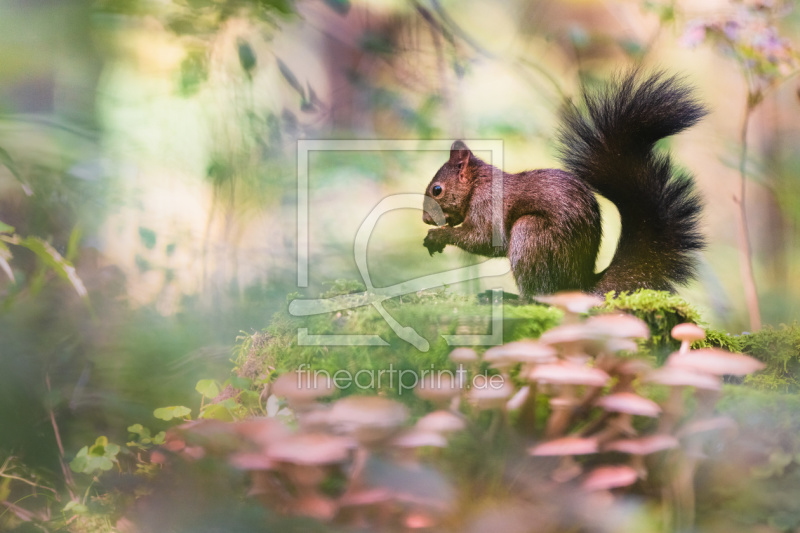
(745, 251)
(70, 482)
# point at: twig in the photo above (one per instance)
(745, 251)
(70, 482)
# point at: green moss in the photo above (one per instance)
(390, 369)
(528, 321)
(719, 339)
(779, 348)
(661, 311)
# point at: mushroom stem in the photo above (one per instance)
(568, 468)
(527, 413)
(637, 463)
(684, 346)
(595, 424)
(618, 425)
(673, 410)
(562, 413)
(682, 491)
(497, 424)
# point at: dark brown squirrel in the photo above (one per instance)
(551, 225)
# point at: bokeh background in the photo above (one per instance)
(153, 144)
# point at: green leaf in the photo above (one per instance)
(6, 161)
(74, 242)
(247, 56)
(284, 7)
(193, 72)
(81, 460)
(5, 228)
(160, 438)
(100, 463)
(240, 382)
(50, 256)
(99, 446)
(5, 255)
(250, 398)
(148, 237)
(218, 411)
(139, 430)
(289, 76)
(174, 411)
(208, 388)
(76, 507)
(5, 490)
(112, 450)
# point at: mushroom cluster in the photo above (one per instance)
(578, 398)
(330, 462)
(587, 372)
(597, 408)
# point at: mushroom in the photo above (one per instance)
(566, 448)
(642, 446)
(688, 333)
(715, 361)
(251, 461)
(311, 449)
(616, 344)
(419, 520)
(466, 356)
(491, 395)
(526, 351)
(677, 378)
(568, 376)
(620, 408)
(438, 388)
(261, 431)
(627, 371)
(301, 389)
(565, 373)
(369, 419)
(519, 399)
(302, 458)
(680, 376)
(530, 353)
(609, 477)
(572, 339)
(629, 403)
(572, 302)
(618, 326)
(443, 422)
(415, 438)
(716, 423)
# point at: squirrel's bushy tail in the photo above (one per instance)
(610, 145)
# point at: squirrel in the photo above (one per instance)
(551, 225)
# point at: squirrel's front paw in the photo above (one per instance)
(433, 241)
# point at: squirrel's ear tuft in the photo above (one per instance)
(457, 146)
(459, 156)
(459, 153)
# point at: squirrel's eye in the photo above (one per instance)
(437, 190)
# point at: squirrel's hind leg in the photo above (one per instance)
(543, 260)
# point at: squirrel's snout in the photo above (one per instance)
(426, 218)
